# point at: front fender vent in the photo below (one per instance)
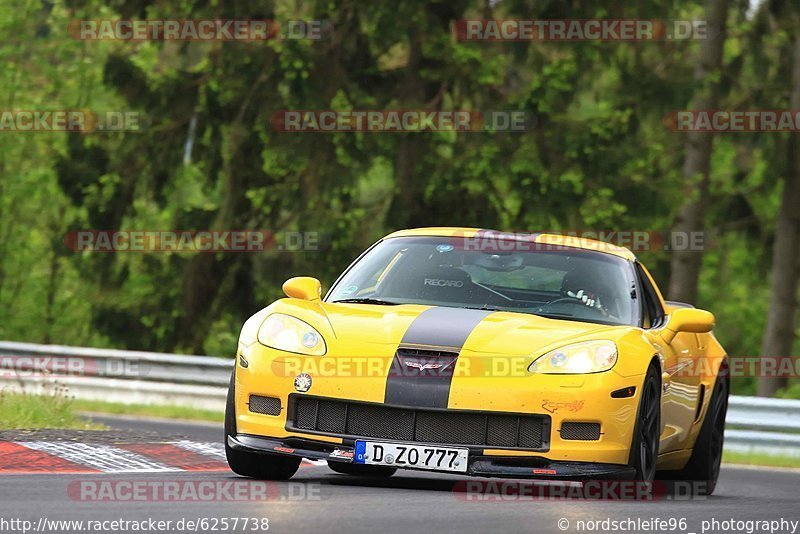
(265, 405)
(580, 431)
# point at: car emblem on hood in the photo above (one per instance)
(302, 382)
(423, 366)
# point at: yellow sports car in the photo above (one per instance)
(487, 354)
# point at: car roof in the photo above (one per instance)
(545, 238)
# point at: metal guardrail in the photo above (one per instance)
(763, 426)
(124, 376)
(754, 424)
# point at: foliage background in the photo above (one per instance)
(600, 157)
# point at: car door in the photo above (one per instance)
(680, 384)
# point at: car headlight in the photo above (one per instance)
(249, 333)
(284, 332)
(578, 358)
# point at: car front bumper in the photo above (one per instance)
(479, 465)
(561, 398)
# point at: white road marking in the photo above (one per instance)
(110, 459)
(102, 457)
(214, 449)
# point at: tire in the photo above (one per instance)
(703, 466)
(250, 464)
(647, 431)
(377, 471)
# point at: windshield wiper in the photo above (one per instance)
(485, 307)
(525, 311)
(555, 315)
(368, 301)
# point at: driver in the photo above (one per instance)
(590, 287)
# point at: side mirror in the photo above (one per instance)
(687, 320)
(303, 287)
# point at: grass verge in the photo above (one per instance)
(20, 411)
(147, 410)
(765, 460)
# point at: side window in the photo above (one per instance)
(652, 312)
(646, 318)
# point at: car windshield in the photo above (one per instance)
(525, 277)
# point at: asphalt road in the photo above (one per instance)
(318, 500)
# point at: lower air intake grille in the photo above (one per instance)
(455, 427)
(580, 431)
(265, 405)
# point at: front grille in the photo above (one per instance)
(411, 352)
(456, 427)
(580, 431)
(265, 405)
(444, 358)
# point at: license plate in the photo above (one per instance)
(416, 456)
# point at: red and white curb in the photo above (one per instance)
(75, 457)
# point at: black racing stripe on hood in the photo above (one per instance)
(444, 331)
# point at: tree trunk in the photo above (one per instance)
(779, 334)
(407, 205)
(52, 290)
(685, 264)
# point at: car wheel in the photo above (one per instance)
(647, 432)
(362, 470)
(703, 466)
(250, 464)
